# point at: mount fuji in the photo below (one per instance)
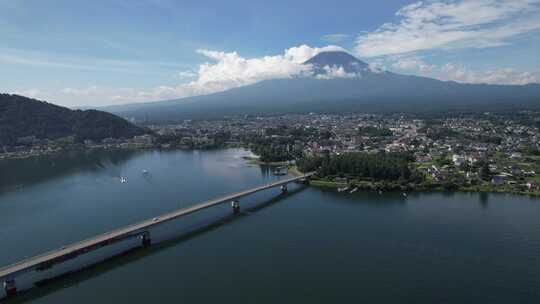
(340, 83)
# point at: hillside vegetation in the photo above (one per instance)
(22, 117)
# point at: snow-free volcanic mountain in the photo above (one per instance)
(362, 90)
(324, 61)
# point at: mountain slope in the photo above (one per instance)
(21, 117)
(336, 59)
(369, 91)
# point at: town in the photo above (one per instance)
(475, 152)
(471, 152)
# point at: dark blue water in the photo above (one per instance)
(309, 246)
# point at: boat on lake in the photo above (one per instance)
(281, 171)
(343, 189)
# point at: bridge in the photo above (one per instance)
(140, 230)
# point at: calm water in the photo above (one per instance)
(309, 246)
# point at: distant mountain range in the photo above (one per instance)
(22, 117)
(359, 89)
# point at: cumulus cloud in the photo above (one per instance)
(225, 70)
(451, 24)
(186, 74)
(332, 72)
(230, 70)
(459, 73)
(413, 64)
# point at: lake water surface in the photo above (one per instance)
(308, 246)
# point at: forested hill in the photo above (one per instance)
(21, 117)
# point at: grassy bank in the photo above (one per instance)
(294, 171)
(395, 186)
(256, 161)
(327, 184)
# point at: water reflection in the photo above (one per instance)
(18, 173)
(483, 198)
(73, 278)
(363, 197)
(265, 170)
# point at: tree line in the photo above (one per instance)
(380, 166)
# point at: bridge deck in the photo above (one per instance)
(33, 262)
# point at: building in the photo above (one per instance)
(458, 160)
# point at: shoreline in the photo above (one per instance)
(394, 187)
(255, 161)
(317, 182)
(365, 187)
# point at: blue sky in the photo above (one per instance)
(101, 52)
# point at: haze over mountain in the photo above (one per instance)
(22, 117)
(340, 83)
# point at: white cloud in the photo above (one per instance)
(304, 52)
(459, 73)
(413, 64)
(34, 59)
(32, 93)
(332, 72)
(226, 71)
(186, 74)
(451, 24)
(230, 70)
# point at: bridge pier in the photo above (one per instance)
(146, 240)
(10, 287)
(235, 206)
(284, 188)
(139, 231)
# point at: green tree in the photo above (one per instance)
(485, 174)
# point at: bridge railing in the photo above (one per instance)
(34, 261)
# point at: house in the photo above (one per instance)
(498, 180)
(531, 186)
(424, 158)
(458, 160)
(515, 155)
(143, 139)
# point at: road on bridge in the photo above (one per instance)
(75, 249)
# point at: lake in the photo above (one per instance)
(309, 245)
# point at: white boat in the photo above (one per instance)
(123, 180)
(144, 171)
(354, 190)
(343, 189)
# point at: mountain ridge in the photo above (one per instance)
(22, 117)
(367, 91)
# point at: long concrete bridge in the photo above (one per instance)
(141, 230)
